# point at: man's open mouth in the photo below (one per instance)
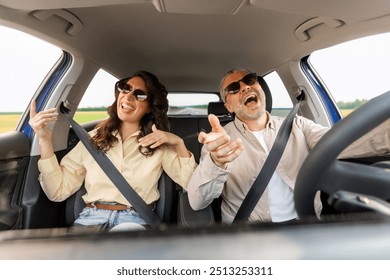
(250, 98)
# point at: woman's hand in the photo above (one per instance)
(159, 137)
(39, 123)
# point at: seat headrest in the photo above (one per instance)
(268, 95)
(217, 108)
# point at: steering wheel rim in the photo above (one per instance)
(321, 169)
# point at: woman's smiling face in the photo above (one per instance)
(128, 107)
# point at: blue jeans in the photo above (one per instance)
(92, 216)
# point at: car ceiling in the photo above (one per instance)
(190, 44)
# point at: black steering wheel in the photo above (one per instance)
(321, 171)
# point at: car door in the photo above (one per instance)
(25, 62)
(14, 158)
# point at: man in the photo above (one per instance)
(232, 156)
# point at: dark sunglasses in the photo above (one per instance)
(138, 94)
(248, 79)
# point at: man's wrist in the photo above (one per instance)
(217, 163)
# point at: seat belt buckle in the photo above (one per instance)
(63, 108)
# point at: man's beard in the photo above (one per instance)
(244, 112)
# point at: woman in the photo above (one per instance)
(135, 139)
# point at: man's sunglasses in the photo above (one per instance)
(138, 94)
(248, 79)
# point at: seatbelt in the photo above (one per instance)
(113, 173)
(262, 180)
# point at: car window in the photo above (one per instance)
(196, 103)
(25, 61)
(356, 71)
(281, 101)
(190, 103)
(98, 96)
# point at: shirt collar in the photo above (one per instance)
(241, 126)
(118, 135)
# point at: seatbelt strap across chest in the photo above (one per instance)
(113, 173)
(262, 180)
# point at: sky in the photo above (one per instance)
(19, 79)
(367, 76)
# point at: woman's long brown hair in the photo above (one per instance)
(105, 137)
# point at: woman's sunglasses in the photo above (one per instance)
(138, 94)
(248, 79)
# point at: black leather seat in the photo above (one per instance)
(268, 95)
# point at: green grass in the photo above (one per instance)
(346, 112)
(9, 121)
(83, 117)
